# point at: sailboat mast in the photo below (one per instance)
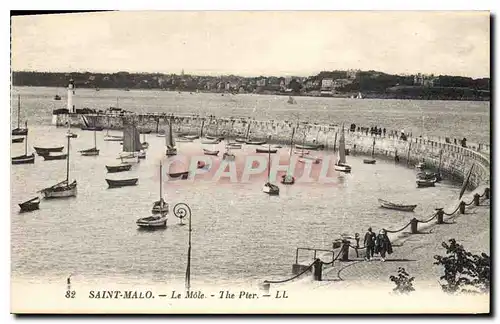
(248, 130)
(161, 183)
(18, 110)
(26, 140)
(269, 165)
(67, 163)
(95, 140)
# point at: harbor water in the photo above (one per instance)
(239, 233)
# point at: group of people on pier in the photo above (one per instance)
(376, 244)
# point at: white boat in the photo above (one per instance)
(210, 141)
(132, 146)
(341, 165)
(64, 188)
(170, 141)
(269, 188)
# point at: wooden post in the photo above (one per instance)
(414, 226)
(487, 193)
(476, 199)
(318, 268)
(345, 250)
(440, 214)
(462, 207)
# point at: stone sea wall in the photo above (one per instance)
(455, 160)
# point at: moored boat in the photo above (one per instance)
(265, 150)
(210, 141)
(122, 182)
(57, 97)
(233, 145)
(179, 175)
(30, 205)
(47, 150)
(160, 206)
(191, 137)
(341, 165)
(170, 141)
(210, 152)
(19, 131)
(153, 221)
(18, 140)
(306, 158)
(255, 142)
(24, 159)
(369, 161)
(313, 147)
(288, 178)
(269, 188)
(118, 168)
(51, 157)
(390, 205)
(92, 128)
(421, 183)
(240, 140)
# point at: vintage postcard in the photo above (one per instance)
(243, 162)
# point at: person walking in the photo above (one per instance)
(369, 244)
(383, 245)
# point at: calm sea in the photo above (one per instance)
(239, 233)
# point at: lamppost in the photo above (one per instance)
(182, 210)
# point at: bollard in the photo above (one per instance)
(345, 250)
(487, 193)
(440, 214)
(461, 207)
(318, 268)
(414, 226)
(476, 199)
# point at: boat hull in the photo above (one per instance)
(97, 129)
(30, 205)
(425, 184)
(46, 150)
(24, 159)
(208, 152)
(55, 157)
(113, 138)
(369, 161)
(309, 147)
(401, 207)
(179, 175)
(342, 168)
(152, 222)
(266, 150)
(121, 183)
(18, 140)
(271, 189)
(20, 131)
(90, 152)
(61, 191)
(118, 168)
(255, 142)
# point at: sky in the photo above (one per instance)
(280, 43)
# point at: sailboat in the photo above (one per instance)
(341, 165)
(131, 144)
(91, 151)
(114, 138)
(160, 206)
(304, 157)
(288, 178)
(19, 131)
(269, 188)
(63, 188)
(24, 159)
(169, 141)
(372, 160)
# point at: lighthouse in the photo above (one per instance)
(71, 90)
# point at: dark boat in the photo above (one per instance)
(24, 159)
(179, 175)
(46, 150)
(30, 205)
(145, 132)
(287, 179)
(426, 183)
(118, 168)
(256, 142)
(49, 157)
(390, 205)
(18, 140)
(90, 128)
(57, 97)
(369, 161)
(210, 152)
(429, 176)
(313, 147)
(265, 150)
(121, 183)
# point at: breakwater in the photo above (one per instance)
(452, 160)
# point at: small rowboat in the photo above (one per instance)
(179, 175)
(240, 140)
(310, 147)
(49, 157)
(220, 138)
(24, 159)
(426, 183)
(183, 139)
(429, 176)
(390, 205)
(89, 152)
(209, 152)
(71, 135)
(20, 131)
(265, 150)
(18, 140)
(191, 137)
(30, 205)
(89, 128)
(233, 145)
(301, 152)
(342, 168)
(46, 150)
(121, 183)
(118, 168)
(210, 141)
(304, 159)
(152, 222)
(369, 161)
(113, 138)
(255, 142)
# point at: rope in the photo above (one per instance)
(327, 263)
(452, 212)
(296, 276)
(423, 222)
(392, 231)
(468, 204)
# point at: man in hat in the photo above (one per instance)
(369, 244)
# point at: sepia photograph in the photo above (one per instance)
(250, 162)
